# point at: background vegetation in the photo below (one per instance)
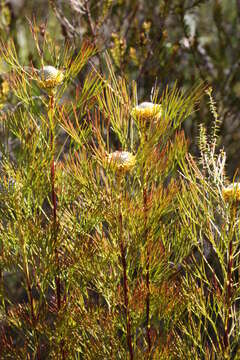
(102, 264)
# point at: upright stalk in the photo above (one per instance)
(145, 210)
(29, 293)
(28, 283)
(228, 299)
(147, 271)
(54, 198)
(124, 268)
(229, 292)
(2, 295)
(54, 209)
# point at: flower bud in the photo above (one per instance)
(50, 77)
(122, 161)
(147, 111)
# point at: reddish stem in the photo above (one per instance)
(125, 288)
(54, 206)
(228, 297)
(147, 274)
(31, 301)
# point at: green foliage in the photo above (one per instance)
(115, 241)
(210, 326)
(88, 244)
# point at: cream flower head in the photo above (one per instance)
(147, 111)
(50, 77)
(231, 192)
(122, 161)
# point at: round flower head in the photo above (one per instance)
(122, 161)
(50, 77)
(231, 192)
(147, 111)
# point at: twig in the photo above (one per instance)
(147, 274)
(125, 285)
(54, 205)
(90, 21)
(228, 298)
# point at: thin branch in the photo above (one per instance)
(125, 284)
(147, 274)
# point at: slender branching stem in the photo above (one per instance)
(147, 272)
(1, 279)
(54, 210)
(28, 283)
(229, 292)
(93, 29)
(228, 297)
(27, 277)
(145, 209)
(125, 282)
(54, 199)
(30, 294)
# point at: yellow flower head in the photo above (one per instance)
(4, 91)
(5, 88)
(231, 192)
(147, 111)
(50, 77)
(122, 161)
